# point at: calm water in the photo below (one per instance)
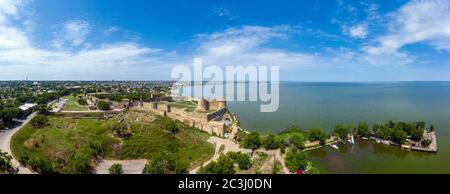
(327, 104)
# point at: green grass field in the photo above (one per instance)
(73, 105)
(68, 145)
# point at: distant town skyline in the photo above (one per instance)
(339, 40)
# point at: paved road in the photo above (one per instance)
(5, 143)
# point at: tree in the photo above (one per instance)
(296, 160)
(165, 163)
(432, 128)
(116, 169)
(39, 121)
(269, 142)
(252, 141)
(82, 101)
(317, 134)
(8, 114)
(5, 163)
(103, 105)
(399, 136)
(242, 160)
(43, 109)
(363, 129)
(297, 141)
(341, 131)
(417, 133)
(420, 125)
(224, 165)
(2, 124)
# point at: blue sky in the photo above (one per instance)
(321, 40)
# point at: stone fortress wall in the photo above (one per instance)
(199, 118)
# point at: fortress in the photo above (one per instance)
(207, 115)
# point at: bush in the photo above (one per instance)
(269, 142)
(42, 166)
(341, 131)
(43, 109)
(39, 121)
(82, 101)
(103, 105)
(224, 165)
(317, 134)
(2, 124)
(297, 141)
(252, 141)
(426, 142)
(165, 163)
(363, 129)
(116, 169)
(240, 136)
(5, 163)
(242, 160)
(295, 160)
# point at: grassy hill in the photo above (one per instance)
(69, 144)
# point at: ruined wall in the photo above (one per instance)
(216, 114)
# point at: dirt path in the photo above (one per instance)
(5, 143)
(278, 156)
(229, 146)
(128, 166)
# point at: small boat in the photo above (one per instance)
(365, 138)
(385, 142)
(351, 140)
(378, 141)
(334, 146)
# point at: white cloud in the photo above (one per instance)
(419, 21)
(19, 55)
(223, 12)
(73, 32)
(358, 31)
(250, 45)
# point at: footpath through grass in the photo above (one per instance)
(73, 105)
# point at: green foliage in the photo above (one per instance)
(399, 136)
(242, 160)
(82, 101)
(116, 169)
(269, 142)
(398, 131)
(426, 142)
(252, 141)
(295, 160)
(165, 163)
(342, 131)
(297, 141)
(103, 105)
(39, 121)
(363, 129)
(5, 163)
(240, 136)
(42, 166)
(317, 134)
(224, 165)
(43, 109)
(8, 114)
(2, 124)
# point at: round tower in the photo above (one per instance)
(222, 104)
(203, 105)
